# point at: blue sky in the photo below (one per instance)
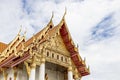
(93, 24)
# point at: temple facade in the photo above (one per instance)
(48, 55)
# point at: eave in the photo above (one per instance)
(77, 60)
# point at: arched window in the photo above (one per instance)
(47, 53)
(61, 58)
(52, 55)
(57, 56)
(65, 59)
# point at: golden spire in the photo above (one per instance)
(77, 45)
(63, 18)
(33, 38)
(25, 32)
(52, 16)
(20, 30)
(84, 59)
(88, 68)
(50, 22)
(64, 13)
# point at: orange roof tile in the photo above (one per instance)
(52, 31)
(2, 46)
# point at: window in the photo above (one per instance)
(57, 56)
(52, 55)
(61, 58)
(47, 53)
(65, 59)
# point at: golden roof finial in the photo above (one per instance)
(33, 37)
(77, 45)
(25, 32)
(84, 59)
(20, 30)
(88, 68)
(50, 22)
(52, 15)
(65, 12)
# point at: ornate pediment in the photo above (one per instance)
(56, 44)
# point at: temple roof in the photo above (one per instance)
(43, 35)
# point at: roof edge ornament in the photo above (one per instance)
(88, 68)
(64, 13)
(20, 30)
(25, 32)
(33, 37)
(51, 20)
(84, 59)
(63, 18)
(52, 16)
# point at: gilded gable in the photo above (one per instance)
(56, 44)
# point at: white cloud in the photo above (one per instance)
(82, 16)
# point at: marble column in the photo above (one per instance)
(42, 70)
(70, 73)
(32, 72)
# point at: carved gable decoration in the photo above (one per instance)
(56, 44)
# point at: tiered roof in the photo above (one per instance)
(17, 51)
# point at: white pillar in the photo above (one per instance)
(70, 75)
(42, 70)
(32, 73)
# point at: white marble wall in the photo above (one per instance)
(10, 75)
(1, 76)
(53, 74)
(22, 74)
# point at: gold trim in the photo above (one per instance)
(15, 73)
(27, 68)
(42, 60)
